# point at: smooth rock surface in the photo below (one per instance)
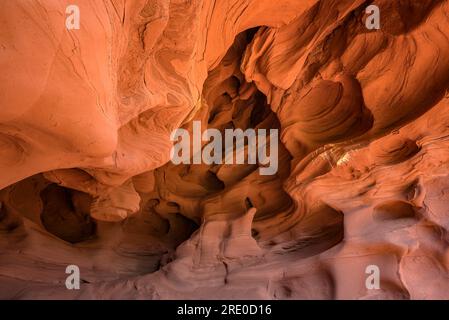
(85, 171)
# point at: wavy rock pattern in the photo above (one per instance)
(363, 152)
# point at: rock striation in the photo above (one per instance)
(85, 171)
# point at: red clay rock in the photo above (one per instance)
(85, 126)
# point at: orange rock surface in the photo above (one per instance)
(85, 171)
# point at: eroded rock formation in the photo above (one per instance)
(85, 129)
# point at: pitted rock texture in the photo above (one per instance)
(85, 171)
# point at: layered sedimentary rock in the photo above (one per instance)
(85, 171)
